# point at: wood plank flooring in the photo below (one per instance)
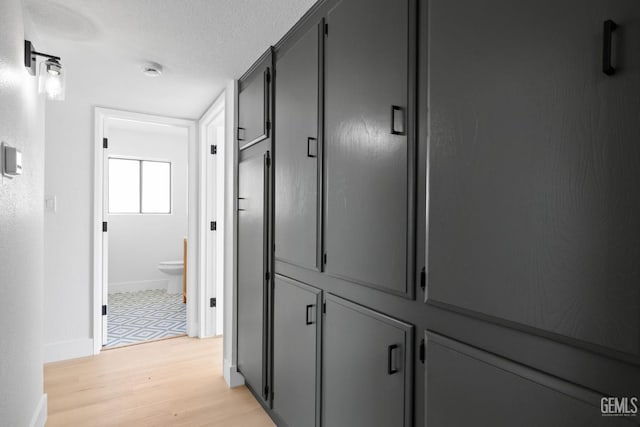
(174, 382)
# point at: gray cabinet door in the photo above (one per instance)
(367, 369)
(534, 208)
(252, 265)
(466, 386)
(253, 108)
(368, 142)
(297, 155)
(296, 315)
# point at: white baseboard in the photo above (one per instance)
(232, 377)
(142, 285)
(39, 417)
(64, 350)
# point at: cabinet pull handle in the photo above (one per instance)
(241, 206)
(240, 134)
(394, 130)
(312, 147)
(609, 28)
(391, 367)
(309, 315)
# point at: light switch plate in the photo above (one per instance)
(50, 203)
(11, 161)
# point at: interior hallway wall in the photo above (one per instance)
(68, 258)
(22, 401)
(137, 243)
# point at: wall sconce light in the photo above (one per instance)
(51, 80)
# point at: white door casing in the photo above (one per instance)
(100, 239)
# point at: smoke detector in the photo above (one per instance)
(152, 69)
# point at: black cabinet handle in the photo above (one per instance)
(394, 130)
(309, 315)
(240, 134)
(391, 369)
(609, 28)
(312, 147)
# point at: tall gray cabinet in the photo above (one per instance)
(253, 256)
(439, 221)
(370, 143)
(298, 172)
(255, 228)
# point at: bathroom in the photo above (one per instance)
(146, 210)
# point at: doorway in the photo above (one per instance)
(145, 207)
(212, 128)
(144, 279)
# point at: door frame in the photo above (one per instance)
(211, 201)
(194, 304)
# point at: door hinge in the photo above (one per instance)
(326, 29)
(212, 302)
(214, 149)
(104, 226)
(266, 392)
(423, 279)
(267, 276)
(268, 76)
(105, 142)
(268, 124)
(104, 310)
(324, 258)
(324, 308)
(214, 225)
(422, 351)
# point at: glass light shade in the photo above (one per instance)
(51, 80)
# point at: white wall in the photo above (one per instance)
(68, 247)
(137, 243)
(67, 232)
(22, 401)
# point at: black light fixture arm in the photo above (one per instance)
(30, 57)
(57, 58)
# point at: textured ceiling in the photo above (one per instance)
(201, 44)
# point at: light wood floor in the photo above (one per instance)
(164, 383)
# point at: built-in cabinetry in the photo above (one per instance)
(297, 175)
(297, 313)
(254, 105)
(367, 367)
(253, 294)
(467, 386)
(370, 143)
(255, 228)
(458, 167)
(532, 219)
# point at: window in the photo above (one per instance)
(139, 186)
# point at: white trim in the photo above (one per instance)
(230, 217)
(209, 211)
(100, 115)
(140, 285)
(39, 417)
(232, 377)
(63, 350)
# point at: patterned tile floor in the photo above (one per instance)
(143, 316)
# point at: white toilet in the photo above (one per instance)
(174, 270)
